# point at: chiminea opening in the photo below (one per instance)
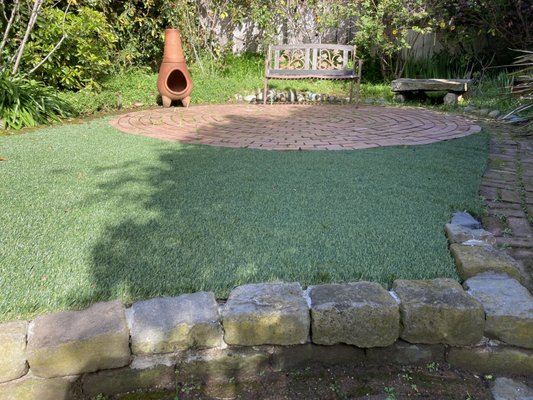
(176, 81)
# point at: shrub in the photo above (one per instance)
(25, 102)
(84, 57)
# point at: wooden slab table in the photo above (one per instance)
(411, 89)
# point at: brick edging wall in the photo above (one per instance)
(158, 343)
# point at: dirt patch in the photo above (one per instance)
(387, 382)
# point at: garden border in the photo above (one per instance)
(158, 343)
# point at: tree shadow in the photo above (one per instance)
(213, 218)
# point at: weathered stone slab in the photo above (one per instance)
(221, 365)
(490, 360)
(267, 313)
(13, 350)
(452, 98)
(146, 373)
(508, 307)
(473, 260)
(301, 356)
(165, 325)
(32, 388)
(361, 313)
(74, 342)
(466, 220)
(408, 85)
(460, 234)
(439, 311)
(510, 389)
(404, 353)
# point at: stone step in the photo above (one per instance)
(508, 308)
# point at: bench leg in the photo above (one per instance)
(265, 89)
(358, 93)
(351, 91)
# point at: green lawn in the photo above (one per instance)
(88, 214)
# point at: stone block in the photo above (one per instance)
(146, 373)
(404, 353)
(165, 325)
(361, 313)
(300, 356)
(33, 388)
(460, 234)
(13, 363)
(266, 313)
(451, 98)
(473, 260)
(466, 220)
(223, 365)
(508, 308)
(491, 360)
(75, 342)
(494, 114)
(439, 311)
(510, 389)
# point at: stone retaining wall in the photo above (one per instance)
(484, 325)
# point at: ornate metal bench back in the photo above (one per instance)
(327, 60)
(313, 61)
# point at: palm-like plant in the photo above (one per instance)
(524, 75)
(523, 88)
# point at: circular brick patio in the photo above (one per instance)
(295, 127)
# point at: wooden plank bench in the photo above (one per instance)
(407, 88)
(313, 61)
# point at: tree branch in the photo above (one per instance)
(14, 10)
(58, 44)
(33, 18)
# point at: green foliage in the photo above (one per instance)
(383, 27)
(25, 102)
(84, 57)
(139, 26)
(493, 92)
(439, 65)
(483, 31)
(119, 90)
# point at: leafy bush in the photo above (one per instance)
(118, 90)
(25, 102)
(84, 57)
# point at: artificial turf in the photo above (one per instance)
(88, 214)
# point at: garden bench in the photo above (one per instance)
(407, 88)
(313, 61)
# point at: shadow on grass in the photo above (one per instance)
(206, 218)
(214, 218)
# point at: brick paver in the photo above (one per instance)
(296, 127)
(507, 190)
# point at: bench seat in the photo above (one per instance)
(406, 88)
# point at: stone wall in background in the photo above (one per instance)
(484, 325)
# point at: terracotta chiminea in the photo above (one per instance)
(174, 81)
